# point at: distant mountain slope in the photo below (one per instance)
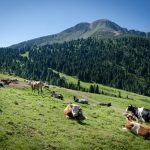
(100, 29)
(120, 62)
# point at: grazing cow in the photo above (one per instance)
(74, 111)
(137, 128)
(55, 95)
(82, 101)
(105, 104)
(36, 85)
(140, 112)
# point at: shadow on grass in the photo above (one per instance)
(82, 123)
(79, 122)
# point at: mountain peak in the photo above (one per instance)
(102, 20)
(106, 24)
(102, 28)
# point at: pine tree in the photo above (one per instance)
(97, 89)
(91, 90)
(78, 84)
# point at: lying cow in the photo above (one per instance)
(74, 111)
(6, 81)
(55, 95)
(82, 101)
(105, 104)
(141, 113)
(137, 128)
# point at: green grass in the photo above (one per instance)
(113, 92)
(32, 122)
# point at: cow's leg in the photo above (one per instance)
(32, 88)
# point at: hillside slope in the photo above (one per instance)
(122, 63)
(29, 121)
(102, 28)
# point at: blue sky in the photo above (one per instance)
(22, 20)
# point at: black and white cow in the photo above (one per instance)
(140, 112)
(82, 101)
(105, 104)
(55, 95)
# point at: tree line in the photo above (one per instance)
(122, 62)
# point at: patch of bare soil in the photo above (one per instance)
(19, 84)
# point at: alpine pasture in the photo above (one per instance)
(29, 121)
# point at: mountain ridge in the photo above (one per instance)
(102, 28)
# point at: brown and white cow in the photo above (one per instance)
(36, 85)
(137, 128)
(74, 111)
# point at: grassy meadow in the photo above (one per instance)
(113, 92)
(29, 121)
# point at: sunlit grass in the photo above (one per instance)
(32, 121)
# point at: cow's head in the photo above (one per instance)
(80, 115)
(75, 110)
(130, 117)
(131, 108)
